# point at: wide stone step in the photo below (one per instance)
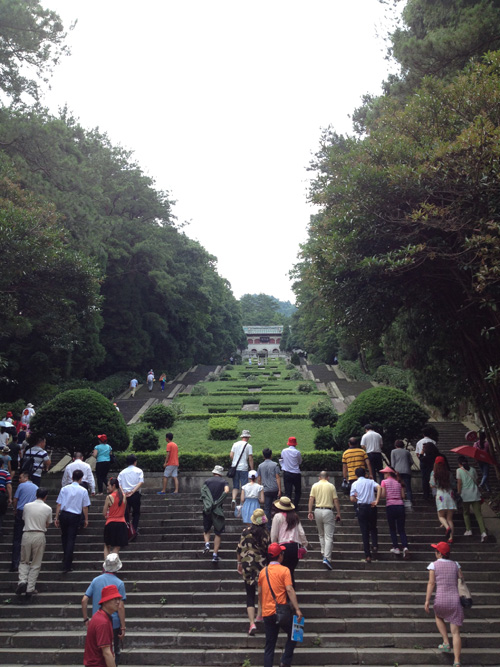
(239, 640)
(236, 657)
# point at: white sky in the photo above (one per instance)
(222, 102)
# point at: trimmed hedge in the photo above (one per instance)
(145, 440)
(392, 412)
(248, 415)
(160, 416)
(198, 461)
(75, 418)
(223, 428)
(324, 439)
(323, 414)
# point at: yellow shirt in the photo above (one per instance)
(354, 457)
(324, 493)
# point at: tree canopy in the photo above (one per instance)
(262, 309)
(409, 223)
(31, 43)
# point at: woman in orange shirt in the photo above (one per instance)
(115, 530)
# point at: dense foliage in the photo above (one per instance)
(392, 412)
(264, 310)
(96, 278)
(159, 416)
(73, 420)
(145, 440)
(323, 414)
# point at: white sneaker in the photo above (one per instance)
(406, 553)
(484, 537)
(468, 533)
(396, 551)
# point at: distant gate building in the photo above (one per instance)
(263, 341)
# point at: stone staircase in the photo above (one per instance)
(183, 610)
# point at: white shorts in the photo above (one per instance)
(170, 471)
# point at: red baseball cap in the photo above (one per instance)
(442, 547)
(439, 459)
(275, 549)
(109, 593)
(102, 437)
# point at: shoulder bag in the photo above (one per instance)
(283, 611)
(232, 470)
(464, 593)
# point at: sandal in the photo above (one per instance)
(456, 664)
(445, 648)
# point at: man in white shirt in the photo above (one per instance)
(37, 517)
(71, 502)
(372, 442)
(291, 459)
(131, 479)
(88, 481)
(133, 387)
(241, 456)
(366, 494)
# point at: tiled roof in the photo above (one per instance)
(278, 329)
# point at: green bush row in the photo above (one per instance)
(198, 461)
(248, 415)
(395, 377)
(353, 370)
(223, 428)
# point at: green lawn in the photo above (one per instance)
(192, 435)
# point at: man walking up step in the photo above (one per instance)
(111, 566)
(37, 517)
(25, 493)
(366, 494)
(99, 640)
(372, 442)
(213, 493)
(324, 494)
(71, 502)
(131, 479)
(275, 588)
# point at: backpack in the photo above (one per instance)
(28, 464)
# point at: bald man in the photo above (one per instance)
(324, 495)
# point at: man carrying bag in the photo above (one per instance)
(275, 588)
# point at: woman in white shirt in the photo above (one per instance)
(288, 531)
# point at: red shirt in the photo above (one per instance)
(173, 454)
(99, 634)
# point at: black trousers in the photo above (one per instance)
(69, 529)
(17, 538)
(377, 464)
(293, 480)
(272, 631)
(134, 504)
(367, 519)
(101, 472)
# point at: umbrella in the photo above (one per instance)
(6, 424)
(475, 453)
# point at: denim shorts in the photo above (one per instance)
(240, 479)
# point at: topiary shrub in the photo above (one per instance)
(323, 414)
(290, 367)
(324, 439)
(295, 359)
(199, 390)
(212, 377)
(145, 440)
(229, 367)
(392, 412)
(294, 375)
(159, 416)
(306, 387)
(223, 428)
(73, 420)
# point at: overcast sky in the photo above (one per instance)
(222, 102)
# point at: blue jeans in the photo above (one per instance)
(484, 472)
(240, 479)
(272, 630)
(396, 520)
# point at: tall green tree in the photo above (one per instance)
(31, 43)
(410, 221)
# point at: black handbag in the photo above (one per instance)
(232, 470)
(283, 611)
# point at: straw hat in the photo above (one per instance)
(284, 504)
(259, 518)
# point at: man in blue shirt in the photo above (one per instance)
(73, 499)
(25, 493)
(111, 566)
